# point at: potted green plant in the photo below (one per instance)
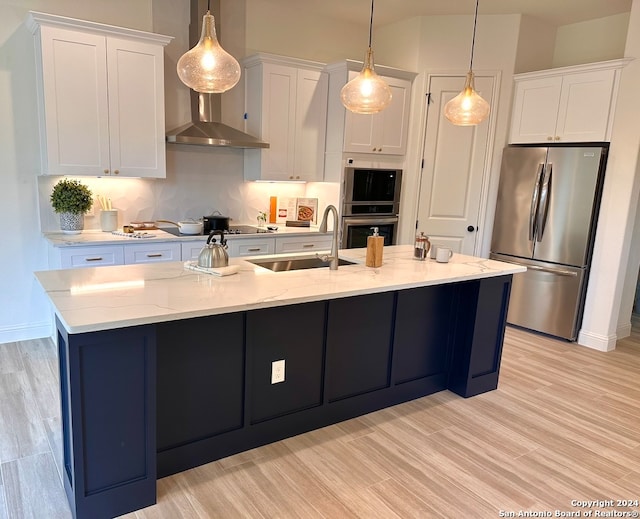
(71, 199)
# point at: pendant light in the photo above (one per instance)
(468, 108)
(367, 93)
(207, 67)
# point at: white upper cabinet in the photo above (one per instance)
(384, 133)
(286, 106)
(569, 104)
(101, 98)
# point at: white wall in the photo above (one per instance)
(615, 263)
(594, 40)
(287, 28)
(536, 45)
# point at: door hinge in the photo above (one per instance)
(422, 164)
(416, 225)
(428, 94)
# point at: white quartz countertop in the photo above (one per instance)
(96, 237)
(102, 298)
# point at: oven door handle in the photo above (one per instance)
(373, 220)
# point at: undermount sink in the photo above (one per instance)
(286, 264)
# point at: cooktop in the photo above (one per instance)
(234, 229)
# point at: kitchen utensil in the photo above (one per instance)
(214, 255)
(215, 222)
(186, 227)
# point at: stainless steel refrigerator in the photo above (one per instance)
(546, 216)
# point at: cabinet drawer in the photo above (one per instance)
(76, 257)
(152, 253)
(244, 247)
(191, 250)
(303, 243)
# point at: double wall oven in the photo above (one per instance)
(371, 198)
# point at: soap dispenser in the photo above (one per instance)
(375, 243)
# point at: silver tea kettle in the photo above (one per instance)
(214, 255)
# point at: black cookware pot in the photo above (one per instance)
(215, 222)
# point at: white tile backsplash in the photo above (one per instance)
(200, 180)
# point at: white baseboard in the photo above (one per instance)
(25, 332)
(623, 330)
(597, 341)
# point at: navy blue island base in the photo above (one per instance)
(144, 402)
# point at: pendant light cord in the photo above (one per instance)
(208, 5)
(473, 39)
(371, 24)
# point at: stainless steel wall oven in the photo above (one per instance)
(371, 198)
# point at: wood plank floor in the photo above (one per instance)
(563, 425)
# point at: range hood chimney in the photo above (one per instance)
(205, 128)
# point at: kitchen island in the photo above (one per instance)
(163, 368)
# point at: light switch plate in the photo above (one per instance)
(277, 371)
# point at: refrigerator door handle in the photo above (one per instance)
(557, 272)
(548, 270)
(543, 209)
(534, 203)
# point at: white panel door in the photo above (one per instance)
(455, 162)
(311, 124)
(535, 110)
(75, 102)
(136, 108)
(585, 106)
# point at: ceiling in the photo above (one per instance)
(554, 12)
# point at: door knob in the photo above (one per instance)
(471, 228)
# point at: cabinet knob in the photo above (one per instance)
(549, 138)
(557, 138)
(116, 172)
(105, 171)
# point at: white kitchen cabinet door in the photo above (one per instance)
(75, 102)
(311, 243)
(312, 88)
(286, 106)
(152, 252)
(585, 106)
(250, 246)
(535, 110)
(385, 132)
(100, 98)
(569, 104)
(135, 73)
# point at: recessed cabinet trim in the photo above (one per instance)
(568, 104)
(100, 98)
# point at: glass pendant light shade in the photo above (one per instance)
(208, 67)
(467, 108)
(367, 93)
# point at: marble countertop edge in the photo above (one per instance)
(102, 298)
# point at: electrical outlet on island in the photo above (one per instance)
(277, 371)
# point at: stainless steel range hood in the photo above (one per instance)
(205, 128)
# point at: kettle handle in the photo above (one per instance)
(223, 242)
